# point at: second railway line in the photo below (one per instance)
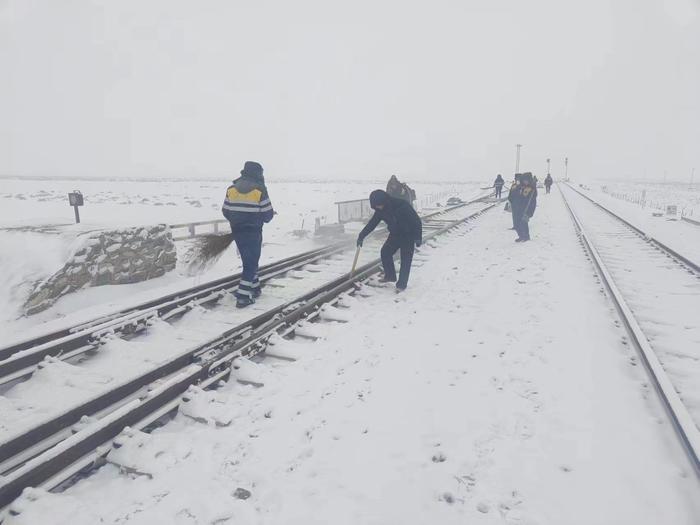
(656, 292)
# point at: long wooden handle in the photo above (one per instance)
(354, 263)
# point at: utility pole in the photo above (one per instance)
(548, 161)
(517, 157)
(566, 169)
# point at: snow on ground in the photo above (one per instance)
(29, 256)
(496, 390)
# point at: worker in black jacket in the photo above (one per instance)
(405, 232)
(524, 205)
(511, 197)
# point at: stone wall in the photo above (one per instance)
(122, 256)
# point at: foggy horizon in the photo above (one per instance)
(430, 92)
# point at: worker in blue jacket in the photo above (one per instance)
(405, 232)
(247, 207)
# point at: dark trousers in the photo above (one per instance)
(549, 187)
(522, 226)
(249, 245)
(390, 247)
(499, 189)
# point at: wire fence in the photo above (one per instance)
(640, 198)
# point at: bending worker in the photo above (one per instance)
(405, 232)
(247, 206)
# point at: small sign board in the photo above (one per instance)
(75, 198)
(672, 211)
(357, 210)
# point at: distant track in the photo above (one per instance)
(49, 453)
(656, 292)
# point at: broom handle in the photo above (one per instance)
(354, 263)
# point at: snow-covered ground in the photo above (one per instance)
(40, 205)
(496, 390)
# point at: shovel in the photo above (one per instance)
(354, 263)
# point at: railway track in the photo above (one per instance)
(656, 292)
(20, 359)
(55, 448)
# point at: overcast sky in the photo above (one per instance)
(429, 90)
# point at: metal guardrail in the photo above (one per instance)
(192, 228)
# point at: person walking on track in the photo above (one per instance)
(548, 181)
(524, 204)
(405, 233)
(247, 207)
(498, 185)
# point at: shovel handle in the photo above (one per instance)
(354, 263)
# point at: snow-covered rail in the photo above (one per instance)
(20, 359)
(656, 292)
(55, 448)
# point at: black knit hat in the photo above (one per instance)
(252, 169)
(378, 197)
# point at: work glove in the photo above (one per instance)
(359, 242)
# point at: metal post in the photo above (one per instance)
(566, 168)
(517, 157)
(77, 215)
(548, 161)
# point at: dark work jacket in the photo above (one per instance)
(247, 205)
(401, 219)
(512, 191)
(548, 181)
(524, 201)
(499, 182)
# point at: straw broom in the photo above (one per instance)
(206, 250)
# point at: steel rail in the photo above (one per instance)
(18, 361)
(685, 428)
(69, 338)
(199, 365)
(22, 362)
(655, 242)
(45, 435)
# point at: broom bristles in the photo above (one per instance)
(206, 250)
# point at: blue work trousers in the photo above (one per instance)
(249, 245)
